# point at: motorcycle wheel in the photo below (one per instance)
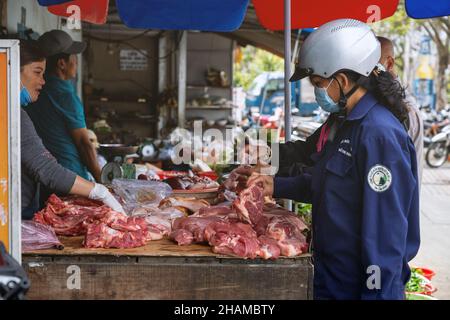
(437, 154)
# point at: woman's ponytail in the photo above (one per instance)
(387, 90)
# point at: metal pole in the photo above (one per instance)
(287, 74)
(164, 114)
(287, 69)
(182, 70)
(296, 47)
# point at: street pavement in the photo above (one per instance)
(434, 250)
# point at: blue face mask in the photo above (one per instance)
(25, 97)
(324, 100)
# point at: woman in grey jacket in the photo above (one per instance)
(38, 165)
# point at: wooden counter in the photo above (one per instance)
(162, 270)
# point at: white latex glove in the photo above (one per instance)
(100, 192)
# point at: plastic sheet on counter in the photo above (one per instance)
(37, 236)
(140, 193)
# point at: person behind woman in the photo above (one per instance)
(38, 165)
(58, 115)
(364, 183)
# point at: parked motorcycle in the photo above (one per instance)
(439, 148)
(433, 123)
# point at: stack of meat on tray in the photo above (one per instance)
(247, 228)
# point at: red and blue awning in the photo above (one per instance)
(228, 15)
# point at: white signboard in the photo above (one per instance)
(133, 60)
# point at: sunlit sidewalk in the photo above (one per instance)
(435, 227)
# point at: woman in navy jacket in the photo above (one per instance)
(363, 186)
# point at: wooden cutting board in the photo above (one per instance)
(164, 247)
(159, 248)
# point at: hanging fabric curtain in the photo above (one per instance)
(210, 15)
(311, 14)
(94, 11)
(422, 9)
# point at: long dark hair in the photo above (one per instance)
(30, 52)
(387, 90)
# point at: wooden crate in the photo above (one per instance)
(163, 270)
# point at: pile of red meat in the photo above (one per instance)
(246, 229)
(102, 227)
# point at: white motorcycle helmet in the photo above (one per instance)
(343, 44)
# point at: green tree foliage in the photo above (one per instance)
(397, 28)
(439, 31)
(253, 62)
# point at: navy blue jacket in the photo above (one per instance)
(365, 198)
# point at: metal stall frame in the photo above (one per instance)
(287, 84)
(287, 70)
(13, 222)
(182, 75)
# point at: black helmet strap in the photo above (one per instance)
(343, 98)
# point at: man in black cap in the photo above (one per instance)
(57, 41)
(58, 115)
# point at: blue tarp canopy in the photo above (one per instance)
(210, 15)
(422, 9)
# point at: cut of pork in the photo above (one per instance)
(100, 235)
(286, 228)
(193, 227)
(182, 236)
(268, 248)
(68, 218)
(292, 247)
(232, 186)
(233, 238)
(249, 205)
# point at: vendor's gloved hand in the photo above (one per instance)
(100, 192)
